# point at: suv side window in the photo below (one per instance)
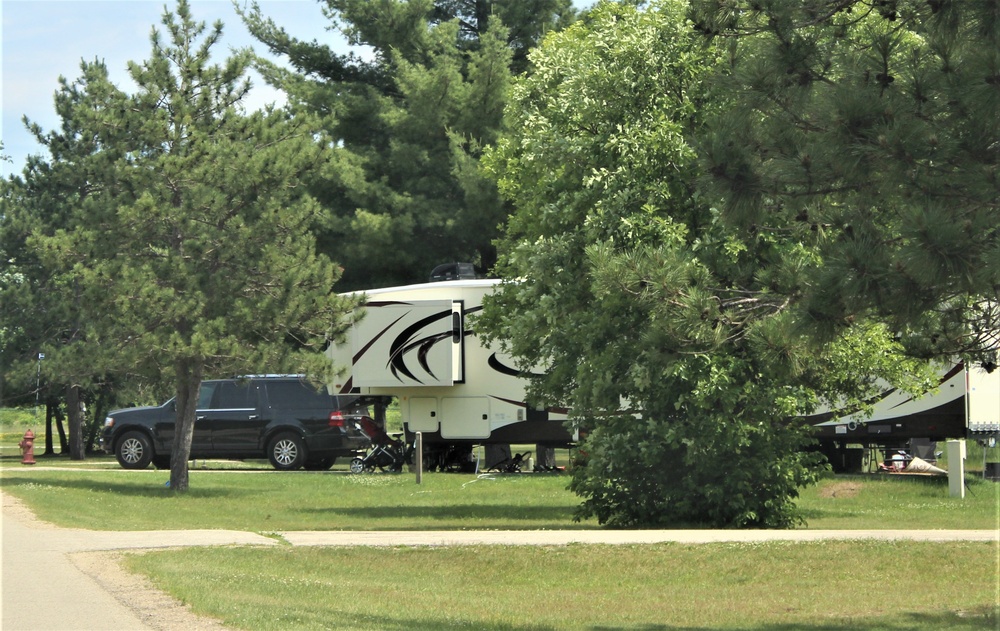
(205, 394)
(298, 394)
(233, 395)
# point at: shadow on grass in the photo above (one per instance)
(555, 517)
(935, 482)
(154, 488)
(982, 618)
(977, 621)
(886, 480)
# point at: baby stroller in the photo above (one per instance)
(386, 452)
(511, 465)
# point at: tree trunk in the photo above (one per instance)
(49, 451)
(52, 411)
(75, 422)
(99, 411)
(92, 430)
(189, 373)
(57, 413)
(495, 454)
(545, 457)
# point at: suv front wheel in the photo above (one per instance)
(286, 452)
(134, 451)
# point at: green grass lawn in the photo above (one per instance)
(269, 500)
(265, 500)
(828, 586)
(768, 587)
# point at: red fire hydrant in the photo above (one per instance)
(27, 446)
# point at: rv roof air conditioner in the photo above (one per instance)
(453, 271)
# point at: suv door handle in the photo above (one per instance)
(254, 417)
(199, 418)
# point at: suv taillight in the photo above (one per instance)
(336, 419)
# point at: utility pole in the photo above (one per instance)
(38, 382)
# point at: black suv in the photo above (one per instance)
(284, 419)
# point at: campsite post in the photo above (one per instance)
(420, 457)
(956, 468)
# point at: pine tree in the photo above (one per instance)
(188, 236)
(874, 126)
(45, 305)
(409, 121)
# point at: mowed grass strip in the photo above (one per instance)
(272, 501)
(775, 587)
(267, 501)
(886, 502)
(769, 587)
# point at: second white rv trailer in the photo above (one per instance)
(965, 404)
(417, 343)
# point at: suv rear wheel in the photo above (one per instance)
(319, 465)
(161, 462)
(286, 452)
(134, 451)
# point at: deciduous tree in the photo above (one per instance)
(670, 335)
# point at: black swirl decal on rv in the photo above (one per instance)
(409, 339)
(502, 368)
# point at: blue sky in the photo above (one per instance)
(43, 39)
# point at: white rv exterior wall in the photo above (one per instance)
(983, 401)
(405, 346)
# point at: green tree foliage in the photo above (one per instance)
(41, 305)
(874, 125)
(181, 223)
(409, 117)
(669, 336)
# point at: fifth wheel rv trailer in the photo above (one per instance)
(418, 343)
(965, 404)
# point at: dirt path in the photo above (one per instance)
(46, 586)
(155, 608)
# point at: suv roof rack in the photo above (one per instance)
(269, 376)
